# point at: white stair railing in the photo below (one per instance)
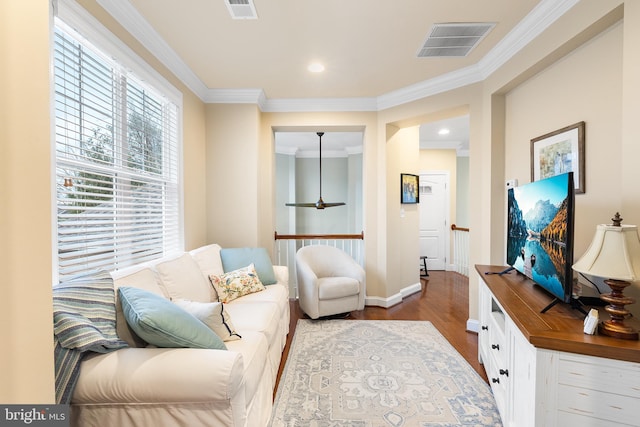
(460, 250)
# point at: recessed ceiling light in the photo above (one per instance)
(443, 131)
(316, 67)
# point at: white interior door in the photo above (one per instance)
(434, 212)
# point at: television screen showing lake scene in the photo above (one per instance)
(540, 232)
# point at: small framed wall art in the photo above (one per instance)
(559, 152)
(409, 188)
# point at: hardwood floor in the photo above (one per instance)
(444, 301)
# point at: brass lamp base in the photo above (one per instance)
(616, 327)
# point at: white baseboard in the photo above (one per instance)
(473, 325)
(393, 299)
(383, 302)
(410, 290)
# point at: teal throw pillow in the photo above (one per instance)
(237, 258)
(160, 322)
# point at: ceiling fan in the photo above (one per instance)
(320, 204)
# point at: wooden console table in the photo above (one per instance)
(542, 368)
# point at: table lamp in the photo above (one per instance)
(614, 254)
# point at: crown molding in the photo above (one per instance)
(132, 21)
(284, 105)
(235, 96)
(80, 21)
(326, 154)
(447, 145)
(287, 151)
(297, 152)
(354, 150)
(441, 145)
(309, 105)
(453, 80)
(540, 18)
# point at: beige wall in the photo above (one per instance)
(233, 179)
(194, 171)
(26, 376)
(630, 145)
(403, 250)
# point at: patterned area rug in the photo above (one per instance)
(374, 373)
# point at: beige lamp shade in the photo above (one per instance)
(614, 253)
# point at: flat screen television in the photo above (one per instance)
(540, 233)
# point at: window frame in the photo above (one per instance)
(88, 29)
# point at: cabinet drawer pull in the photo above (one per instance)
(504, 372)
(485, 328)
(495, 346)
(495, 380)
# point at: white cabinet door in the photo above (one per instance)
(522, 379)
(484, 307)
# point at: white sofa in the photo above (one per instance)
(142, 386)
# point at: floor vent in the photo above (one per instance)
(241, 9)
(453, 39)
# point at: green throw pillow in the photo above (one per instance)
(160, 322)
(236, 258)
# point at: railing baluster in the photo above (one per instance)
(461, 249)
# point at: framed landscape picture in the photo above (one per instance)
(559, 152)
(409, 188)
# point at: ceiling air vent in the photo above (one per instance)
(241, 9)
(453, 39)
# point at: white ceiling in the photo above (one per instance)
(369, 48)
(457, 138)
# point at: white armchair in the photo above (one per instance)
(330, 281)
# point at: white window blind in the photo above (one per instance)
(117, 162)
